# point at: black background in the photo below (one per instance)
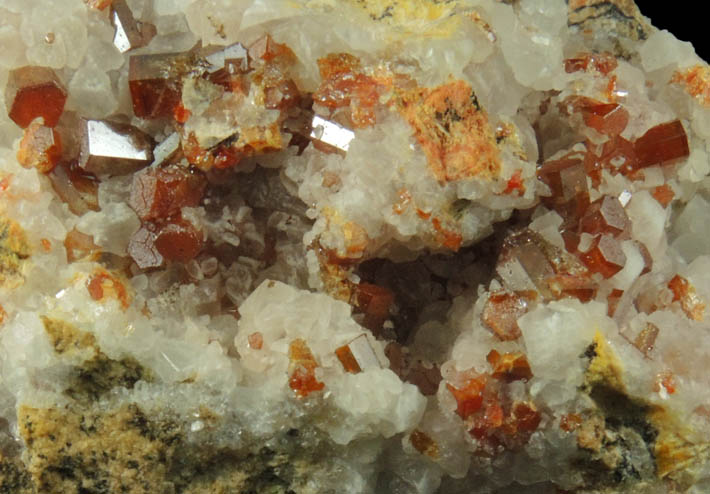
(686, 19)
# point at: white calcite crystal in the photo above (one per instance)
(359, 247)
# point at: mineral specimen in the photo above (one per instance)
(365, 247)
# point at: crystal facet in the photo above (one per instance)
(33, 92)
(110, 148)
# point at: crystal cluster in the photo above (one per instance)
(406, 247)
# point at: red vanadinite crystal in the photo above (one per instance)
(159, 193)
(502, 310)
(34, 92)
(685, 293)
(512, 366)
(155, 82)
(605, 215)
(601, 62)
(469, 398)
(525, 417)
(344, 85)
(302, 369)
(610, 119)
(604, 256)
(375, 301)
(566, 178)
(40, 148)
(179, 241)
(663, 144)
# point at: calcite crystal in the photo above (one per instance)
(364, 247)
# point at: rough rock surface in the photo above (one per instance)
(318, 246)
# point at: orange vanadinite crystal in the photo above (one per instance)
(663, 194)
(696, 81)
(501, 313)
(665, 381)
(256, 340)
(684, 293)
(515, 184)
(610, 119)
(346, 357)
(103, 284)
(79, 245)
(158, 193)
(604, 256)
(98, 4)
(663, 144)
(566, 179)
(469, 398)
(344, 85)
(3, 314)
(40, 147)
(268, 50)
(601, 62)
(34, 92)
(511, 366)
(605, 215)
(179, 241)
(302, 369)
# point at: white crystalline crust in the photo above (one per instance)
(375, 425)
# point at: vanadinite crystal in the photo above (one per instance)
(33, 92)
(353, 247)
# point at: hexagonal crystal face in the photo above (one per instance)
(34, 92)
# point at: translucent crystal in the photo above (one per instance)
(358, 355)
(604, 256)
(155, 83)
(33, 92)
(605, 215)
(110, 148)
(232, 58)
(40, 147)
(130, 33)
(662, 144)
(142, 249)
(329, 136)
(502, 310)
(76, 187)
(512, 366)
(166, 149)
